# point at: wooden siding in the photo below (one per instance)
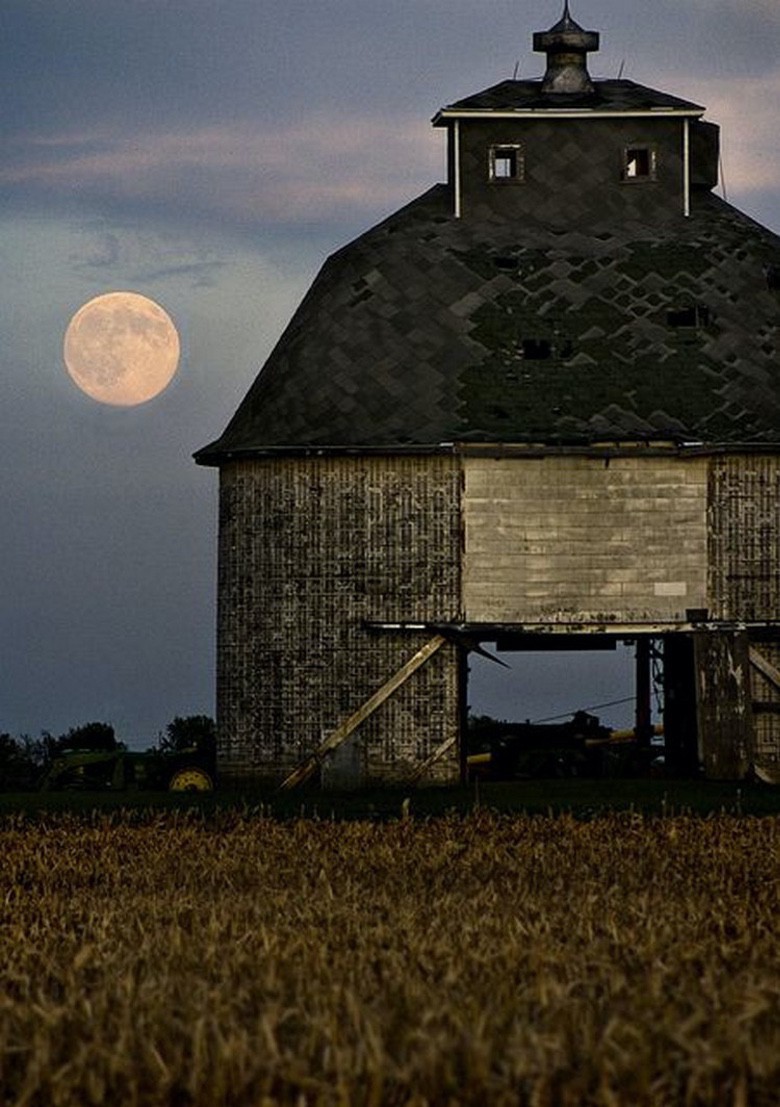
(765, 695)
(577, 539)
(744, 573)
(572, 171)
(744, 537)
(309, 549)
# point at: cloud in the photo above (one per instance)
(144, 257)
(765, 8)
(315, 170)
(746, 109)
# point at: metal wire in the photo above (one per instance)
(593, 707)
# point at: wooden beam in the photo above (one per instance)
(766, 668)
(310, 764)
(440, 750)
(766, 707)
(643, 711)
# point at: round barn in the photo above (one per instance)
(541, 400)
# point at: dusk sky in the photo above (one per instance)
(210, 154)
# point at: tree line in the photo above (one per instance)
(24, 761)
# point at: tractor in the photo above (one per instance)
(119, 770)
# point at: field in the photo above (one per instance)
(228, 958)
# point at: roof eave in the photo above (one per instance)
(214, 456)
(445, 114)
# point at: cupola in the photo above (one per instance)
(567, 47)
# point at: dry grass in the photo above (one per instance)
(487, 960)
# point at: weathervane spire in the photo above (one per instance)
(567, 47)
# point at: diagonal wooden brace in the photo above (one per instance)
(432, 758)
(766, 668)
(314, 760)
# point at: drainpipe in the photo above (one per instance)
(686, 168)
(456, 167)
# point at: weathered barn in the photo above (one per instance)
(543, 399)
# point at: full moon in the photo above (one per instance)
(121, 348)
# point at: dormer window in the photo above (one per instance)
(639, 163)
(505, 164)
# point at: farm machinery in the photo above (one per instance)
(581, 746)
(119, 770)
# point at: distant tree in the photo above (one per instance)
(33, 749)
(94, 737)
(8, 749)
(19, 768)
(189, 732)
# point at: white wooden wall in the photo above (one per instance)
(577, 539)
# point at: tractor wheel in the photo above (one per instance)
(191, 779)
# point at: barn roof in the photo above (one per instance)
(607, 96)
(429, 330)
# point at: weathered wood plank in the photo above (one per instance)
(725, 715)
(766, 707)
(765, 667)
(440, 750)
(311, 763)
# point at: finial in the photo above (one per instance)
(567, 47)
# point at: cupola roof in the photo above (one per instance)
(567, 47)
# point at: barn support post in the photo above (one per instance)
(643, 724)
(463, 712)
(724, 705)
(680, 725)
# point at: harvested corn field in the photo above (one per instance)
(236, 960)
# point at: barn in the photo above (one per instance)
(541, 404)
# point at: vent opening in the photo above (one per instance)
(537, 349)
(693, 315)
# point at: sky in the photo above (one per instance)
(210, 154)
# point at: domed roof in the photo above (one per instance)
(567, 46)
(429, 330)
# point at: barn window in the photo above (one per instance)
(505, 164)
(639, 163)
(692, 315)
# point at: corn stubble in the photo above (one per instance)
(488, 960)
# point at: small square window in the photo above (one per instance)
(693, 315)
(505, 164)
(639, 163)
(537, 349)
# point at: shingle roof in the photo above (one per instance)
(614, 96)
(428, 329)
